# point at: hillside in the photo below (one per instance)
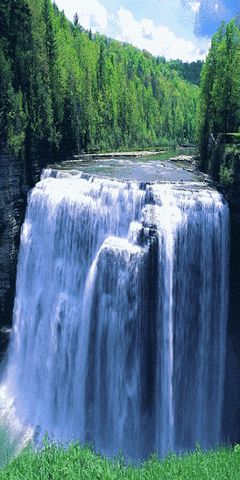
(65, 88)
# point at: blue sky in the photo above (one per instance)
(175, 29)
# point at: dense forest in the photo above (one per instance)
(219, 111)
(189, 71)
(63, 88)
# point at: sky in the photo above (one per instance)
(175, 29)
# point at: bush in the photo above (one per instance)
(226, 175)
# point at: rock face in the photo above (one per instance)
(15, 181)
(13, 190)
(231, 413)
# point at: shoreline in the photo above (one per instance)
(141, 153)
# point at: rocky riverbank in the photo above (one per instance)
(133, 154)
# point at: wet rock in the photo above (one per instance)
(16, 178)
(13, 190)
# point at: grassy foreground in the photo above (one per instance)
(76, 463)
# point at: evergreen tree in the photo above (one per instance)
(65, 89)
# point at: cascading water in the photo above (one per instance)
(120, 314)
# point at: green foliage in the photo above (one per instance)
(219, 106)
(189, 71)
(81, 463)
(8, 448)
(231, 162)
(233, 138)
(65, 89)
(226, 175)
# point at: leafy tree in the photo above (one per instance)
(219, 106)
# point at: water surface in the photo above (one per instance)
(153, 168)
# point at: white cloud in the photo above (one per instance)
(144, 34)
(157, 39)
(92, 14)
(195, 6)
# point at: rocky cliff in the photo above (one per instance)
(13, 189)
(231, 416)
(17, 176)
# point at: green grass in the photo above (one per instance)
(8, 447)
(76, 463)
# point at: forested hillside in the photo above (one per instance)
(189, 71)
(65, 88)
(219, 113)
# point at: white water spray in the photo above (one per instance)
(120, 315)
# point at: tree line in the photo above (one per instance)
(219, 106)
(65, 89)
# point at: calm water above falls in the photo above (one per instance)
(120, 315)
(144, 169)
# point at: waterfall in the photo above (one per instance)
(120, 314)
